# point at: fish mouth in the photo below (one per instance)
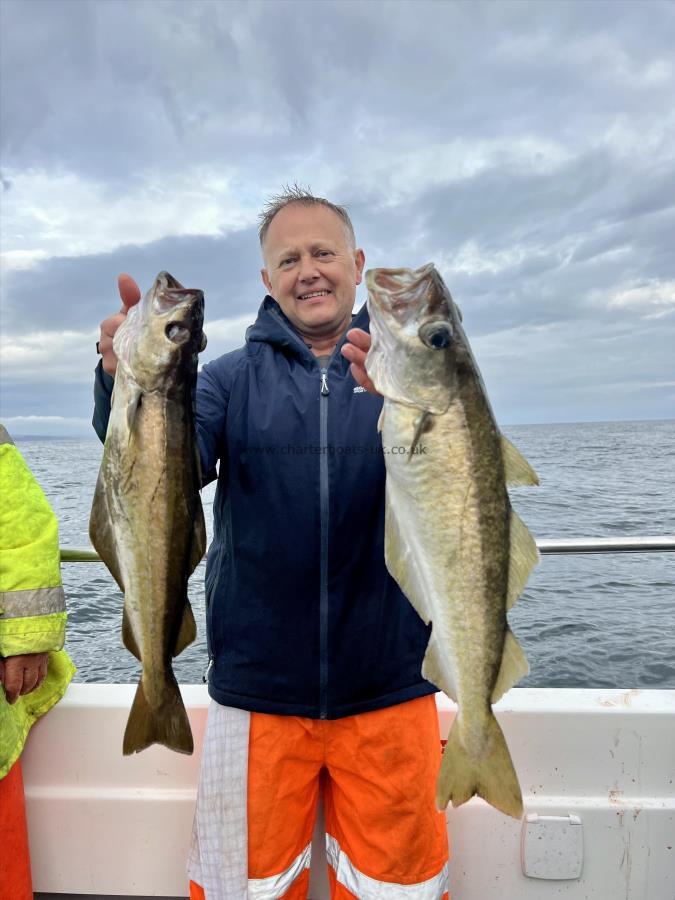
(168, 300)
(166, 281)
(183, 306)
(405, 293)
(169, 293)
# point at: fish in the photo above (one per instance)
(147, 522)
(453, 543)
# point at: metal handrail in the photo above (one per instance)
(552, 546)
(608, 545)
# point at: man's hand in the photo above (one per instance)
(130, 294)
(355, 350)
(22, 674)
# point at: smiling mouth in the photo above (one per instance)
(312, 294)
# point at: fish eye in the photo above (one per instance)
(436, 335)
(177, 333)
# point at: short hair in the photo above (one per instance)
(295, 194)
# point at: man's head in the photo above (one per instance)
(312, 265)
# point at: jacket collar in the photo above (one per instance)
(273, 327)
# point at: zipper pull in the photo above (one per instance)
(324, 385)
(205, 676)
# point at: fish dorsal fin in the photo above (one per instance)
(188, 630)
(514, 666)
(133, 405)
(517, 469)
(524, 556)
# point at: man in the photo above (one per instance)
(315, 654)
(34, 669)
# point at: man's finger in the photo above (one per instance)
(105, 342)
(357, 359)
(359, 338)
(42, 670)
(130, 293)
(30, 678)
(360, 375)
(354, 354)
(110, 325)
(13, 680)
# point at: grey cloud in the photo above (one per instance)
(281, 90)
(78, 292)
(45, 398)
(106, 87)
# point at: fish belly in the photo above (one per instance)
(447, 546)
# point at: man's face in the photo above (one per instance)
(311, 269)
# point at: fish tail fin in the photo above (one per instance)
(167, 724)
(490, 776)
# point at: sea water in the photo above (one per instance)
(584, 620)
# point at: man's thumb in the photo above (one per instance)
(130, 292)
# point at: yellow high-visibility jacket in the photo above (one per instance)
(32, 604)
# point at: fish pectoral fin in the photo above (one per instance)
(188, 630)
(128, 638)
(380, 420)
(517, 469)
(524, 556)
(514, 666)
(423, 423)
(133, 405)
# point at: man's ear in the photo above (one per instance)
(266, 280)
(360, 260)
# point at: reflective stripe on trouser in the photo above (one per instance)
(15, 876)
(385, 838)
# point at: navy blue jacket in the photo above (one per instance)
(302, 616)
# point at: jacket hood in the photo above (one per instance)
(273, 327)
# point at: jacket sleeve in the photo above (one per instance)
(32, 603)
(103, 387)
(212, 397)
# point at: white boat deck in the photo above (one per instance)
(104, 825)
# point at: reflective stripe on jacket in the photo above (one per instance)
(32, 605)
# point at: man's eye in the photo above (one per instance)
(287, 262)
(324, 253)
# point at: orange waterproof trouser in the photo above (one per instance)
(378, 772)
(15, 879)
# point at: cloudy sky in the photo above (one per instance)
(528, 149)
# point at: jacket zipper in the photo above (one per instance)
(324, 515)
